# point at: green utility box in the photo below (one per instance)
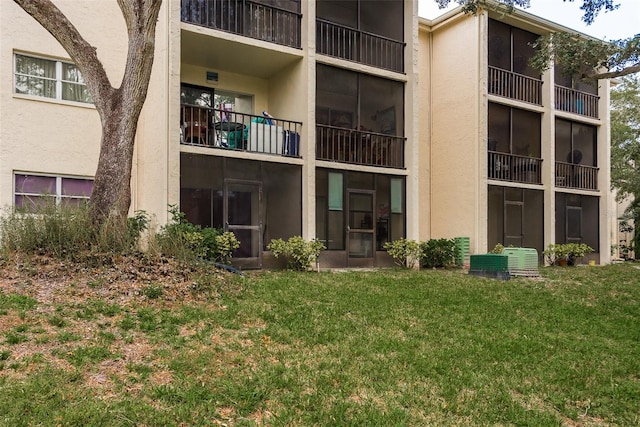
(462, 251)
(522, 261)
(490, 265)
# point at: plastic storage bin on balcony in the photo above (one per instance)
(462, 251)
(522, 261)
(490, 265)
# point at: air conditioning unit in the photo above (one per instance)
(522, 261)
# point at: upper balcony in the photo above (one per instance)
(580, 177)
(354, 45)
(575, 95)
(577, 102)
(228, 130)
(510, 75)
(254, 19)
(576, 149)
(515, 86)
(358, 147)
(515, 168)
(369, 32)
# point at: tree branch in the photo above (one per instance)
(140, 17)
(611, 74)
(81, 52)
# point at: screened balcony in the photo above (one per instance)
(514, 168)
(359, 118)
(574, 94)
(275, 21)
(228, 130)
(347, 43)
(515, 86)
(357, 147)
(510, 75)
(576, 101)
(581, 177)
(576, 155)
(369, 32)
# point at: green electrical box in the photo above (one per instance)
(490, 265)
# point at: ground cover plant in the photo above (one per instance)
(138, 343)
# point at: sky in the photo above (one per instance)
(621, 23)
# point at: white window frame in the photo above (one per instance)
(58, 79)
(58, 188)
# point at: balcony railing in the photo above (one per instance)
(569, 175)
(360, 148)
(575, 101)
(237, 131)
(358, 46)
(245, 17)
(514, 86)
(514, 168)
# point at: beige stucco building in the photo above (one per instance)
(350, 121)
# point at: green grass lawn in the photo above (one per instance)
(384, 348)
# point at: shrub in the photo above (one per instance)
(209, 242)
(497, 249)
(179, 238)
(187, 242)
(68, 232)
(569, 252)
(299, 253)
(406, 253)
(437, 253)
(226, 243)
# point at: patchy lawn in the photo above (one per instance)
(148, 343)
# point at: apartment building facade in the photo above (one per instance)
(343, 120)
(526, 154)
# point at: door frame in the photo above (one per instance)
(248, 262)
(360, 262)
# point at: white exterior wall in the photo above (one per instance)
(458, 195)
(40, 135)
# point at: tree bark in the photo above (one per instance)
(119, 108)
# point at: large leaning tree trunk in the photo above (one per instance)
(119, 108)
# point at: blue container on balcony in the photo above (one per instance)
(291, 143)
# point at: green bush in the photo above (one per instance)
(68, 232)
(185, 241)
(497, 249)
(299, 253)
(179, 238)
(406, 253)
(437, 253)
(570, 252)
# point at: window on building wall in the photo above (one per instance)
(350, 100)
(575, 143)
(33, 191)
(564, 79)
(511, 48)
(514, 131)
(381, 17)
(48, 78)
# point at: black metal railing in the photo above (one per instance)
(358, 147)
(514, 168)
(575, 101)
(245, 17)
(359, 46)
(582, 177)
(515, 86)
(238, 131)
